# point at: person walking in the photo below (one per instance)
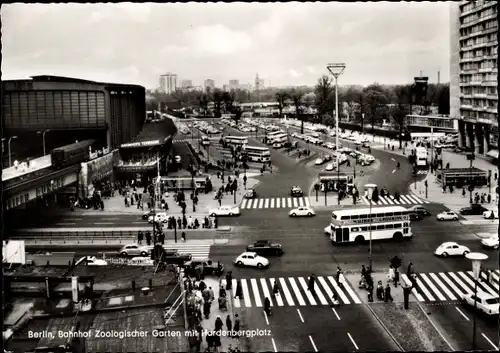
(337, 276)
(310, 285)
(229, 280)
(276, 288)
(218, 324)
(267, 306)
(140, 237)
(410, 269)
(236, 326)
(229, 325)
(335, 299)
(239, 291)
(387, 293)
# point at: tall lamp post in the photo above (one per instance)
(370, 188)
(8, 145)
(470, 157)
(43, 138)
(336, 70)
(476, 258)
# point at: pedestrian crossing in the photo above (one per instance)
(199, 251)
(446, 286)
(293, 292)
(389, 200)
(275, 202)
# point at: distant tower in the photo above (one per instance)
(439, 77)
(257, 82)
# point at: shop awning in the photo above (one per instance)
(493, 153)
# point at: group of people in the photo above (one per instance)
(383, 293)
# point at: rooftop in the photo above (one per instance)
(53, 78)
(22, 168)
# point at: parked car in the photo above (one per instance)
(319, 161)
(146, 215)
(208, 267)
(415, 216)
(93, 261)
(225, 211)
(451, 249)
(302, 211)
(490, 214)
(159, 217)
(474, 209)
(265, 248)
(329, 167)
(134, 250)
(484, 302)
(447, 216)
(251, 259)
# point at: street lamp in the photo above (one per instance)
(336, 70)
(476, 258)
(370, 188)
(8, 145)
(470, 156)
(43, 138)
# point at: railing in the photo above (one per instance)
(74, 234)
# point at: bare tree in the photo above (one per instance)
(401, 109)
(325, 98)
(281, 97)
(373, 97)
(217, 99)
(296, 97)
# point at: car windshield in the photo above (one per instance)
(492, 301)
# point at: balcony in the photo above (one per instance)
(490, 83)
(479, 95)
(466, 106)
(486, 69)
(492, 96)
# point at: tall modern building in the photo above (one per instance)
(186, 84)
(168, 82)
(234, 84)
(474, 74)
(209, 84)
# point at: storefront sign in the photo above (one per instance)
(100, 168)
(141, 144)
(372, 220)
(50, 186)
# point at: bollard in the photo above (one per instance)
(133, 286)
(150, 283)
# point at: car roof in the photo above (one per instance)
(262, 241)
(248, 253)
(484, 295)
(449, 243)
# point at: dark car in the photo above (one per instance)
(473, 210)
(415, 216)
(266, 248)
(209, 267)
(250, 194)
(420, 210)
(146, 215)
(175, 257)
(296, 191)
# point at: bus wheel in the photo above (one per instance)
(398, 236)
(359, 239)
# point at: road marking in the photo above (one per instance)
(265, 290)
(309, 295)
(460, 283)
(312, 342)
(288, 296)
(255, 288)
(246, 293)
(300, 315)
(301, 202)
(393, 159)
(337, 289)
(243, 203)
(307, 202)
(432, 286)
(413, 290)
(489, 341)
(255, 203)
(337, 315)
(289, 202)
(267, 320)
(103, 223)
(283, 202)
(272, 203)
(266, 203)
(237, 302)
(350, 290)
(326, 287)
(460, 311)
(65, 224)
(384, 201)
(261, 203)
(274, 345)
(278, 202)
(452, 285)
(394, 171)
(297, 292)
(352, 340)
(443, 287)
(424, 289)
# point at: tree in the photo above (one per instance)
(217, 99)
(237, 114)
(352, 98)
(281, 97)
(228, 100)
(399, 111)
(373, 97)
(203, 99)
(325, 98)
(296, 97)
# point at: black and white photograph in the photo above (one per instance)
(250, 177)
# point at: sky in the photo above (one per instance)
(287, 44)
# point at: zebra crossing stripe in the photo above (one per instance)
(414, 290)
(495, 275)
(337, 289)
(266, 203)
(301, 202)
(307, 202)
(350, 291)
(265, 290)
(326, 287)
(246, 293)
(432, 286)
(484, 285)
(309, 295)
(365, 200)
(278, 202)
(256, 294)
(418, 200)
(396, 201)
(382, 199)
(288, 296)
(261, 203)
(289, 202)
(255, 203)
(272, 203)
(390, 201)
(283, 202)
(243, 204)
(405, 200)
(297, 292)
(236, 301)
(278, 298)
(294, 201)
(424, 289)
(458, 291)
(443, 287)
(465, 289)
(321, 297)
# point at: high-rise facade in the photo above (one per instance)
(234, 84)
(186, 84)
(473, 76)
(209, 84)
(168, 82)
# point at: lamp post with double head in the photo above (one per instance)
(8, 145)
(370, 188)
(43, 138)
(476, 258)
(336, 70)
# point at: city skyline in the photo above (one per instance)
(288, 44)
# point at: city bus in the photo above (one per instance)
(258, 154)
(353, 225)
(278, 141)
(236, 140)
(421, 156)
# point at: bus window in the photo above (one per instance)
(334, 216)
(379, 215)
(345, 217)
(390, 214)
(406, 225)
(354, 216)
(355, 229)
(389, 226)
(380, 227)
(397, 213)
(364, 229)
(397, 225)
(363, 216)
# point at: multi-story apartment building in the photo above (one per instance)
(473, 76)
(234, 84)
(168, 82)
(209, 84)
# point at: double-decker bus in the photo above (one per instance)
(353, 225)
(236, 140)
(421, 156)
(257, 154)
(278, 141)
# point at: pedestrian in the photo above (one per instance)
(310, 285)
(387, 294)
(183, 236)
(276, 288)
(335, 299)
(206, 309)
(390, 276)
(410, 269)
(218, 324)
(140, 237)
(229, 325)
(148, 238)
(236, 328)
(229, 280)
(463, 192)
(211, 294)
(370, 292)
(337, 276)
(396, 277)
(239, 291)
(489, 198)
(363, 271)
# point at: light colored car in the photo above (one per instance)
(302, 211)
(328, 230)
(159, 217)
(251, 259)
(134, 250)
(141, 261)
(225, 211)
(319, 161)
(451, 248)
(490, 214)
(315, 134)
(485, 302)
(332, 133)
(447, 216)
(491, 242)
(329, 167)
(94, 261)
